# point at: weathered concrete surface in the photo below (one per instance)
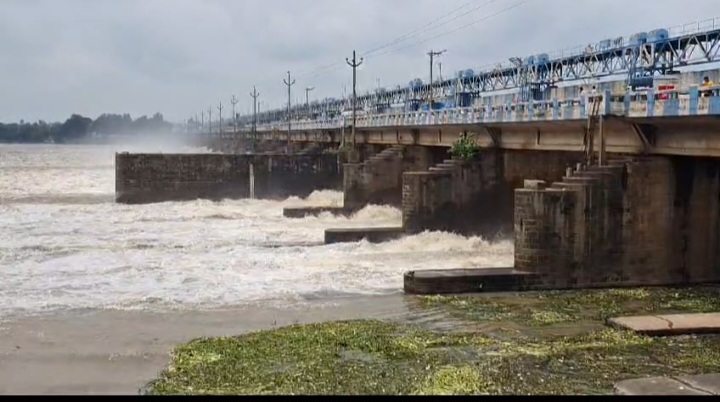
(372, 235)
(378, 180)
(476, 197)
(707, 384)
(670, 325)
(460, 281)
(469, 198)
(148, 178)
(641, 222)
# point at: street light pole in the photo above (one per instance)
(432, 55)
(254, 95)
(220, 108)
(289, 84)
(307, 98)
(234, 101)
(354, 64)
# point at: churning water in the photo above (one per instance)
(64, 244)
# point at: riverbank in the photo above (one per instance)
(536, 343)
(96, 352)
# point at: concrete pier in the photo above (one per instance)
(299, 213)
(648, 221)
(643, 221)
(465, 197)
(465, 281)
(372, 235)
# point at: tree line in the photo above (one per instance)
(77, 128)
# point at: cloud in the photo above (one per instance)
(182, 56)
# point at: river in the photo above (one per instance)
(94, 294)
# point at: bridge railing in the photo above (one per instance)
(695, 101)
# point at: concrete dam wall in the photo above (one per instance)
(151, 178)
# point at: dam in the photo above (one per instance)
(601, 165)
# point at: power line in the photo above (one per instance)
(516, 5)
(333, 67)
(432, 25)
(439, 35)
(419, 32)
(408, 35)
(475, 22)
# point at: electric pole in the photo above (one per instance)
(220, 108)
(307, 98)
(254, 95)
(210, 118)
(432, 55)
(202, 120)
(354, 64)
(234, 101)
(289, 84)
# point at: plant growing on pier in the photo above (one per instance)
(465, 148)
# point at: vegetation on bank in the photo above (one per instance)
(535, 343)
(78, 127)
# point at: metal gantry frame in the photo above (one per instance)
(642, 55)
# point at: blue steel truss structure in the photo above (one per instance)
(639, 58)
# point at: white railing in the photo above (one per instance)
(631, 104)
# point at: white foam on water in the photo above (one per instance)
(56, 254)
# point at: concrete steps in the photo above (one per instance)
(385, 155)
(447, 166)
(592, 175)
(440, 170)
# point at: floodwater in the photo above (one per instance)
(93, 294)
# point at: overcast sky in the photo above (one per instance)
(179, 57)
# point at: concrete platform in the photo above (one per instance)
(373, 235)
(707, 384)
(670, 325)
(462, 281)
(299, 213)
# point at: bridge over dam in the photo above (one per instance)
(647, 123)
(617, 186)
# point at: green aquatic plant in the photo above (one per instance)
(533, 352)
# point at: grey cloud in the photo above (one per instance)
(182, 56)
